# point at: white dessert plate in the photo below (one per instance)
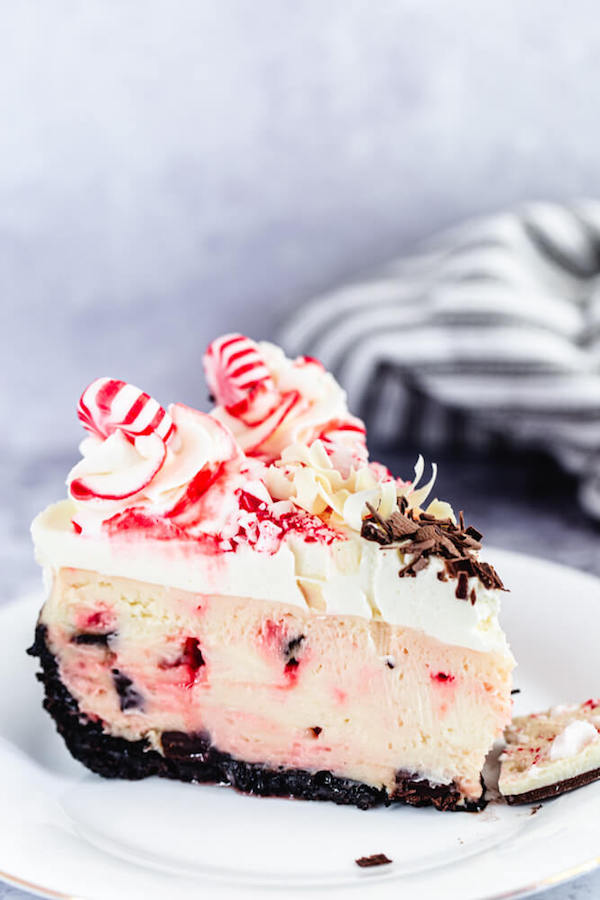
(67, 833)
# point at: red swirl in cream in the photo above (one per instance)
(121, 470)
(281, 434)
(128, 444)
(279, 402)
(204, 490)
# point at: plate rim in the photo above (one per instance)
(564, 876)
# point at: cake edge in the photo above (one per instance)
(192, 758)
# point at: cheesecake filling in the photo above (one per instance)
(272, 684)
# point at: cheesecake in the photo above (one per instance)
(552, 752)
(244, 597)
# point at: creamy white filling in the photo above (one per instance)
(347, 577)
(573, 739)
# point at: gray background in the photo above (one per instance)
(172, 170)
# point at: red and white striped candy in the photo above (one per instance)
(108, 404)
(234, 368)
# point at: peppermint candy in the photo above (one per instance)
(128, 447)
(108, 405)
(235, 369)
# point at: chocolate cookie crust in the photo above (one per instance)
(193, 758)
(548, 791)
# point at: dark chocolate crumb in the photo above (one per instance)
(293, 645)
(535, 809)
(192, 654)
(390, 663)
(473, 597)
(292, 652)
(129, 698)
(516, 691)
(178, 745)
(376, 859)
(88, 638)
(415, 791)
(316, 730)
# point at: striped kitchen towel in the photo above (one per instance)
(492, 327)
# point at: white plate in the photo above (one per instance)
(65, 832)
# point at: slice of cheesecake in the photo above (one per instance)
(242, 597)
(550, 753)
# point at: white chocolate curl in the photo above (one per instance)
(307, 476)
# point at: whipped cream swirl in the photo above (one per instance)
(279, 452)
(270, 402)
(147, 473)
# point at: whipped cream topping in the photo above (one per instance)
(339, 577)
(281, 433)
(150, 474)
(298, 403)
(274, 481)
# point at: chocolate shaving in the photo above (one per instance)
(420, 535)
(462, 564)
(488, 576)
(376, 859)
(462, 588)
(376, 528)
(402, 525)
